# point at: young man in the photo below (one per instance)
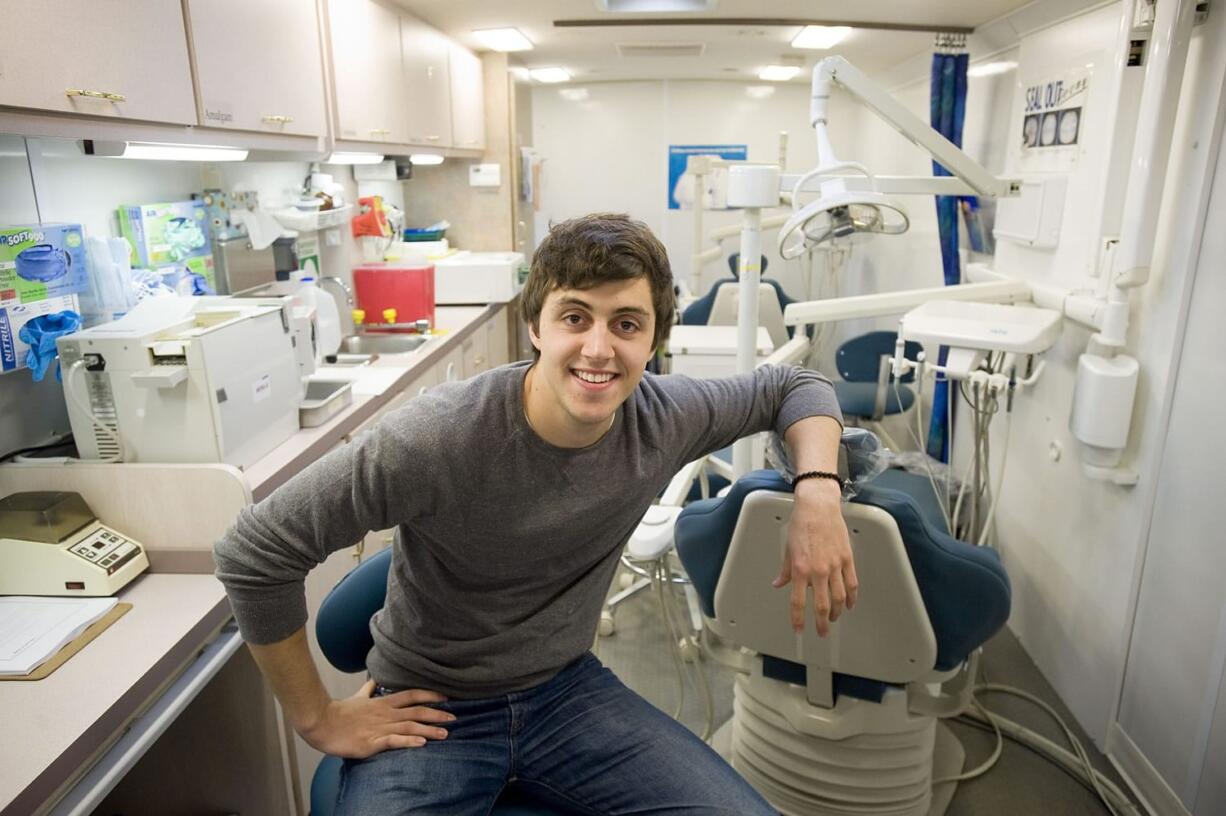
(513, 494)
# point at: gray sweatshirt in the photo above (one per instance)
(505, 545)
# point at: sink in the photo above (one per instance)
(345, 359)
(381, 343)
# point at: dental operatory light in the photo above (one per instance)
(990, 69)
(778, 73)
(342, 157)
(849, 198)
(549, 75)
(820, 38)
(503, 39)
(156, 151)
(425, 159)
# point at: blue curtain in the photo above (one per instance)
(947, 109)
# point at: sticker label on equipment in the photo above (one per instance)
(261, 389)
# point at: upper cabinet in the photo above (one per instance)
(427, 83)
(259, 65)
(367, 71)
(118, 58)
(467, 99)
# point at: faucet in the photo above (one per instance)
(344, 287)
(349, 301)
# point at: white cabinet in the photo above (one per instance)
(258, 65)
(367, 71)
(118, 58)
(427, 83)
(467, 99)
(474, 353)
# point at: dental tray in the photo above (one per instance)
(324, 399)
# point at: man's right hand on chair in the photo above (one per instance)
(357, 727)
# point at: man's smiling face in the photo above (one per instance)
(594, 345)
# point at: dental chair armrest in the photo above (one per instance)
(952, 697)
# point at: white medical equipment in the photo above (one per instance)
(860, 203)
(974, 330)
(479, 277)
(183, 382)
(51, 544)
(710, 351)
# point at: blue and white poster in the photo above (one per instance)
(678, 155)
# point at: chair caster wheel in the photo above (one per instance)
(606, 627)
(625, 580)
(689, 650)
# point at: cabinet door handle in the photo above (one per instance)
(109, 96)
(278, 120)
(478, 361)
(379, 131)
(434, 138)
(451, 372)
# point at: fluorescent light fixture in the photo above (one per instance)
(778, 73)
(990, 69)
(503, 39)
(423, 159)
(760, 91)
(573, 94)
(157, 151)
(354, 158)
(819, 38)
(550, 74)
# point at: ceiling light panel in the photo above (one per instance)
(820, 38)
(778, 73)
(549, 74)
(503, 39)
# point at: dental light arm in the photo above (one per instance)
(838, 70)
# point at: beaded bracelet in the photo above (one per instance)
(820, 474)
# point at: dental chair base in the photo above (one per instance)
(856, 758)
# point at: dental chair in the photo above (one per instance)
(866, 392)
(718, 307)
(342, 628)
(849, 723)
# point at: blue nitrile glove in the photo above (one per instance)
(200, 285)
(40, 333)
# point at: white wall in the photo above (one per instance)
(609, 152)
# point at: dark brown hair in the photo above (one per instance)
(586, 252)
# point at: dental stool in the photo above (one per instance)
(343, 630)
(849, 723)
(866, 392)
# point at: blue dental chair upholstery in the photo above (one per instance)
(964, 588)
(342, 628)
(859, 364)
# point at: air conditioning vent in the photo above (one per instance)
(661, 49)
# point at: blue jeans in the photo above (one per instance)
(581, 742)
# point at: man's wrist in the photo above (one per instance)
(818, 490)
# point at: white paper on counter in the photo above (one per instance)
(32, 629)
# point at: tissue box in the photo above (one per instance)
(13, 316)
(167, 235)
(40, 262)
